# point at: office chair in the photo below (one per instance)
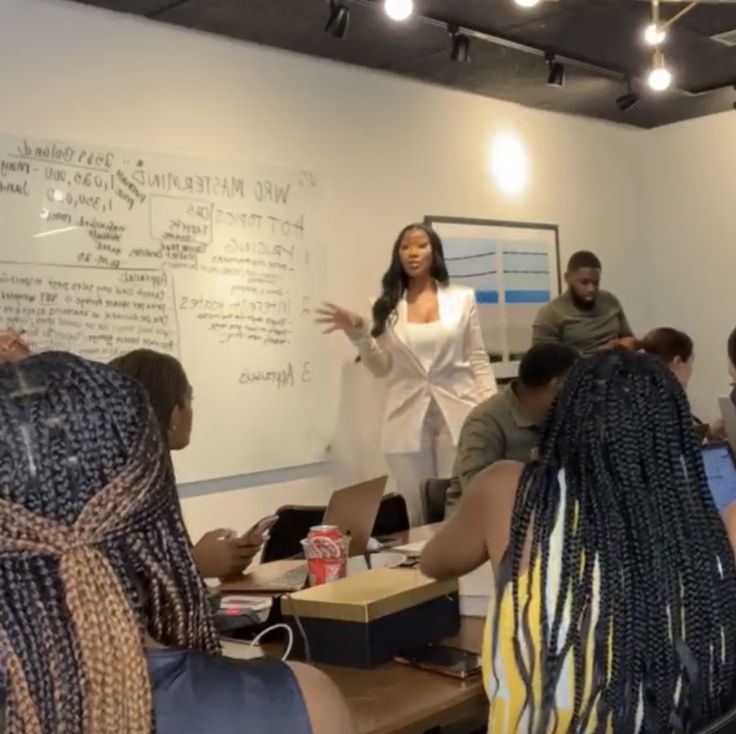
(434, 496)
(392, 517)
(284, 540)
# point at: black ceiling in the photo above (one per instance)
(605, 33)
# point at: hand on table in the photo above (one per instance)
(625, 342)
(716, 431)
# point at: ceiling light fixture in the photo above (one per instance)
(556, 76)
(398, 9)
(460, 49)
(338, 20)
(660, 77)
(527, 3)
(655, 34)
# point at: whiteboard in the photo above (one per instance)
(106, 250)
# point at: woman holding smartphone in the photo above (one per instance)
(219, 553)
(425, 338)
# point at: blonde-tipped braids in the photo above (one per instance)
(93, 550)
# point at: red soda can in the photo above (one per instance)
(326, 551)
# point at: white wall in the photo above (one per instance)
(690, 232)
(391, 150)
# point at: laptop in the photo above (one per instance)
(352, 509)
(720, 469)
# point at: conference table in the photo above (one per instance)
(398, 699)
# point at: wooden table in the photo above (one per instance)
(398, 699)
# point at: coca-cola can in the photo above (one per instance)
(326, 551)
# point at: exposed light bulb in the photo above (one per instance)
(654, 35)
(527, 3)
(659, 78)
(398, 9)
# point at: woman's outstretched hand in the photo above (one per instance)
(334, 318)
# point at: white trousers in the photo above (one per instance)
(434, 460)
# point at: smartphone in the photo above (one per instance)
(263, 526)
(452, 661)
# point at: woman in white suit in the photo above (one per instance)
(425, 338)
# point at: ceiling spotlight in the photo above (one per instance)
(556, 76)
(659, 77)
(626, 101)
(337, 22)
(460, 50)
(398, 9)
(527, 3)
(654, 34)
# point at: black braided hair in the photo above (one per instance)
(646, 569)
(68, 427)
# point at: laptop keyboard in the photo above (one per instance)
(294, 579)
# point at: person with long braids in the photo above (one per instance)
(218, 553)
(105, 625)
(425, 338)
(615, 601)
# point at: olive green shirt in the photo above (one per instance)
(562, 322)
(496, 429)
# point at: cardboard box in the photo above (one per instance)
(365, 620)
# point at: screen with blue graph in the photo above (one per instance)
(513, 269)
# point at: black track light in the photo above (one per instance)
(627, 101)
(338, 20)
(460, 49)
(556, 76)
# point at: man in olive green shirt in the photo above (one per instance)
(509, 425)
(583, 317)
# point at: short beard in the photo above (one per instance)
(580, 304)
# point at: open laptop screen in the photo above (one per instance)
(721, 473)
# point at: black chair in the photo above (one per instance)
(725, 725)
(434, 496)
(284, 540)
(392, 517)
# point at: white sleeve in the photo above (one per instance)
(373, 352)
(485, 379)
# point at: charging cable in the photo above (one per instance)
(273, 627)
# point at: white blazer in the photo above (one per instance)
(459, 377)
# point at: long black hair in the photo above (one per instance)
(163, 377)
(643, 598)
(395, 281)
(732, 347)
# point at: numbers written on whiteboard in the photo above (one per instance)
(86, 201)
(281, 377)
